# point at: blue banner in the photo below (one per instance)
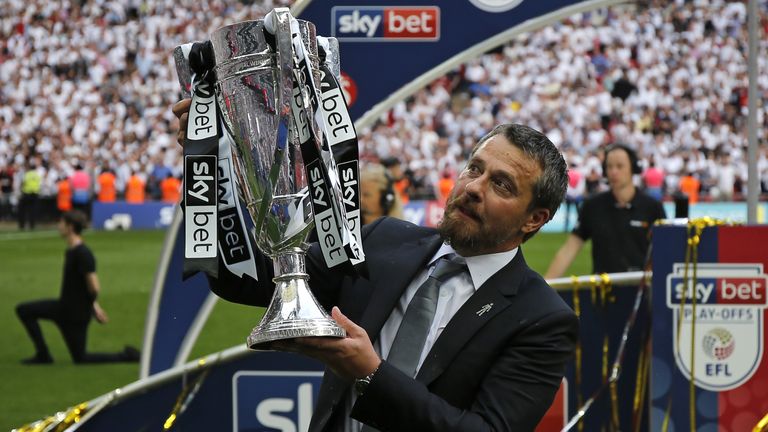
(244, 391)
(125, 216)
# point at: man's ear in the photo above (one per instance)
(536, 219)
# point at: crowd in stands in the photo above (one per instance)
(87, 85)
(669, 79)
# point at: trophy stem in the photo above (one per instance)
(293, 311)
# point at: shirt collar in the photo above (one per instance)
(481, 267)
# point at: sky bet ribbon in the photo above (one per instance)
(353, 250)
(213, 217)
(341, 137)
(336, 240)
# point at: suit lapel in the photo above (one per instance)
(396, 273)
(487, 302)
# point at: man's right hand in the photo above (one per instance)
(181, 111)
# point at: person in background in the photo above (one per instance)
(690, 185)
(6, 191)
(575, 192)
(618, 221)
(81, 189)
(377, 195)
(653, 179)
(77, 303)
(106, 182)
(30, 191)
(159, 173)
(170, 189)
(135, 189)
(63, 195)
(400, 181)
(445, 186)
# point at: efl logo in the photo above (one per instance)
(730, 303)
(391, 23)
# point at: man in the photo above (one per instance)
(170, 189)
(77, 303)
(106, 181)
(31, 183)
(618, 221)
(497, 344)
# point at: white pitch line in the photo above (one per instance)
(28, 235)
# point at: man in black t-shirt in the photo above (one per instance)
(77, 303)
(618, 221)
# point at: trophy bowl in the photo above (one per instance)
(253, 89)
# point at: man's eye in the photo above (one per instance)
(503, 186)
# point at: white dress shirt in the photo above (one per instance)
(454, 292)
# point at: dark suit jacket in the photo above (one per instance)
(495, 371)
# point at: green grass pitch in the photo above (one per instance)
(30, 268)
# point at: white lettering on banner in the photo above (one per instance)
(269, 410)
(200, 232)
(336, 117)
(350, 191)
(328, 234)
(300, 115)
(701, 291)
(318, 193)
(410, 24)
(202, 114)
(200, 187)
(355, 23)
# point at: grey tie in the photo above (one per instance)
(409, 341)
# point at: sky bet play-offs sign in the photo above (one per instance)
(386, 24)
(728, 341)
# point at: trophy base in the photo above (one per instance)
(262, 336)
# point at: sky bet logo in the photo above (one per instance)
(391, 23)
(720, 291)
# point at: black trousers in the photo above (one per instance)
(27, 210)
(75, 332)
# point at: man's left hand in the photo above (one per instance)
(350, 358)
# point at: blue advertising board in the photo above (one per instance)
(125, 216)
(279, 400)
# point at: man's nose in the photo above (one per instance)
(474, 188)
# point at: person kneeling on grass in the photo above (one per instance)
(77, 303)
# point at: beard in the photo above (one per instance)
(475, 236)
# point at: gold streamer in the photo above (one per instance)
(694, 230)
(577, 359)
(641, 384)
(762, 425)
(58, 422)
(188, 392)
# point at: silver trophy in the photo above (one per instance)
(253, 87)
